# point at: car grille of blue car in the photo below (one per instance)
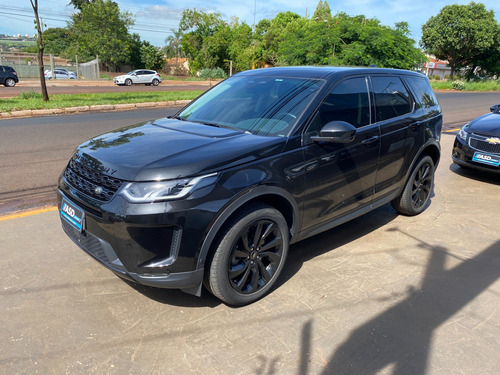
(481, 144)
(91, 182)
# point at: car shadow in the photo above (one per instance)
(402, 335)
(482, 176)
(334, 238)
(175, 297)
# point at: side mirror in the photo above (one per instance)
(336, 132)
(495, 108)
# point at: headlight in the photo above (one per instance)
(462, 134)
(147, 192)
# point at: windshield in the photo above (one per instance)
(259, 105)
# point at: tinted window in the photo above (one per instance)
(391, 97)
(259, 105)
(348, 101)
(423, 91)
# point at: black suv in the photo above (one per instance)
(215, 195)
(8, 76)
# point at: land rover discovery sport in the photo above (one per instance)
(216, 194)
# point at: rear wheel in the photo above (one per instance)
(155, 82)
(418, 189)
(128, 82)
(9, 82)
(249, 256)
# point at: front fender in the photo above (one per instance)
(256, 193)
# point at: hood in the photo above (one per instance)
(487, 125)
(169, 149)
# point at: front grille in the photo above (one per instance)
(483, 145)
(91, 182)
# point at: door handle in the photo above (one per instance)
(370, 140)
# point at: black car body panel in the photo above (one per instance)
(217, 168)
(477, 145)
(8, 76)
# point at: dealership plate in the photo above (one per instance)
(72, 214)
(481, 157)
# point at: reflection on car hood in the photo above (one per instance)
(487, 125)
(169, 149)
(122, 76)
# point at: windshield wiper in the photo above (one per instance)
(177, 118)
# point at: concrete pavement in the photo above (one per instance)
(383, 294)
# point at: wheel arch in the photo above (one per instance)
(274, 197)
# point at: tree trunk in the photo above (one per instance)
(41, 47)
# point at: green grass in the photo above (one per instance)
(32, 100)
(481, 86)
(165, 77)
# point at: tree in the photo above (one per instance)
(41, 47)
(57, 40)
(101, 29)
(322, 12)
(151, 57)
(461, 34)
(197, 26)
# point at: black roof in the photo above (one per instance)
(323, 72)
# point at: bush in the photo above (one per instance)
(216, 73)
(458, 85)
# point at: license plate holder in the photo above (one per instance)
(72, 214)
(484, 158)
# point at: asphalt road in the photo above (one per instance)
(83, 87)
(34, 151)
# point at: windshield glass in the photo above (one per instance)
(259, 105)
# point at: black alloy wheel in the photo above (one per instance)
(418, 189)
(250, 255)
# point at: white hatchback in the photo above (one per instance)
(139, 76)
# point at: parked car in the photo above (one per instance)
(8, 76)
(477, 144)
(139, 76)
(60, 74)
(216, 194)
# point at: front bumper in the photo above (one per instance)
(145, 247)
(463, 154)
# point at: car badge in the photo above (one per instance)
(98, 190)
(493, 141)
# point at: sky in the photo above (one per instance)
(155, 19)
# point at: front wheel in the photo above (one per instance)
(249, 256)
(9, 82)
(128, 82)
(418, 189)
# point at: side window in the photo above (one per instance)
(391, 98)
(423, 91)
(348, 101)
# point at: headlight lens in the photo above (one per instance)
(462, 134)
(147, 192)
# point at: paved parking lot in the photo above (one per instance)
(384, 294)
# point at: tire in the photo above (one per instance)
(155, 82)
(128, 82)
(249, 255)
(9, 82)
(418, 189)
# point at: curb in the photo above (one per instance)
(91, 108)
